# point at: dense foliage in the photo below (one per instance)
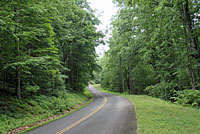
(15, 113)
(46, 45)
(154, 49)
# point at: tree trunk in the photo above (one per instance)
(188, 21)
(183, 10)
(193, 38)
(77, 75)
(18, 84)
(4, 79)
(52, 82)
(122, 76)
(127, 78)
(18, 88)
(130, 81)
(189, 60)
(8, 80)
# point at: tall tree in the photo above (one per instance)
(158, 44)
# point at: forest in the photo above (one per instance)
(47, 58)
(154, 50)
(46, 45)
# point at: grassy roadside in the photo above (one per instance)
(156, 116)
(27, 112)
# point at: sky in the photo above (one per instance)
(105, 8)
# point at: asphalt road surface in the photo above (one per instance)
(107, 114)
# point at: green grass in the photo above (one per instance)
(156, 116)
(15, 113)
(87, 93)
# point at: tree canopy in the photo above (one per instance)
(154, 48)
(47, 45)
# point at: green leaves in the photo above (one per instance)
(148, 37)
(77, 37)
(46, 43)
(188, 98)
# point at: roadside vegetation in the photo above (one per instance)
(154, 50)
(156, 116)
(154, 61)
(47, 56)
(15, 113)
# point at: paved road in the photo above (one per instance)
(107, 114)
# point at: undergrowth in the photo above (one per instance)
(15, 113)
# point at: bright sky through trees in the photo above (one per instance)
(106, 9)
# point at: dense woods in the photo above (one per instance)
(155, 50)
(47, 56)
(46, 45)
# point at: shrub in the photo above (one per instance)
(162, 90)
(188, 98)
(15, 113)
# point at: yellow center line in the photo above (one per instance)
(84, 118)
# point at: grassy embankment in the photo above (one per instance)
(15, 113)
(156, 116)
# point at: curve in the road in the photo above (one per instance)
(84, 118)
(106, 114)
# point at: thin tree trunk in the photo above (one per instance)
(18, 84)
(53, 82)
(189, 60)
(184, 21)
(18, 88)
(67, 64)
(77, 79)
(127, 78)
(4, 80)
(188, 21)
(8, 80)
(130, 81)
(122, 76)
(193, 39)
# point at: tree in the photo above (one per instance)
(150, 37)
(44, 43)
